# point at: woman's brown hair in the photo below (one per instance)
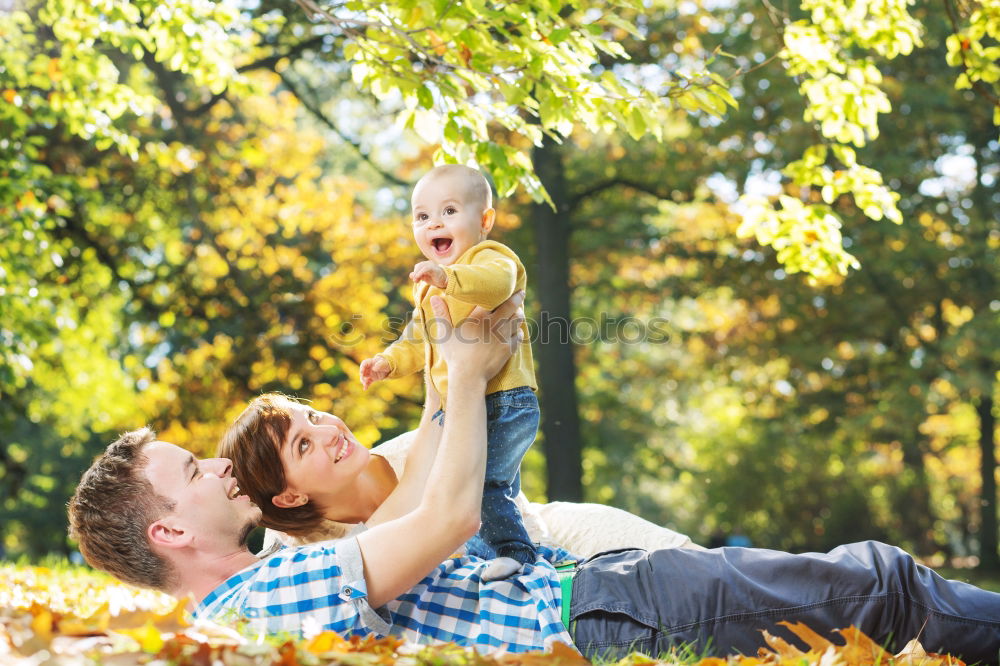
(252, 443)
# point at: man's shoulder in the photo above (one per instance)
(281, 554)
(289, 564)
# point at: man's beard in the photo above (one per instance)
(248, 529)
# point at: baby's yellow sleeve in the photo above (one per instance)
(488, 280)
(406, 355)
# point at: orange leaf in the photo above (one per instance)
(55, 71)
(287, 655)
(860, 649)
(9, 95)
(328, 641)
(560, 655)
(27, 199)
(808, 636)
(437, 44)
(779, 646)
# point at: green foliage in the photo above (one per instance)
(794, 412)
(177, 238)
(844, 100)
(974, 48)
(530, 68)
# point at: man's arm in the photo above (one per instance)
(398, 553)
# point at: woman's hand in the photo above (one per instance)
(480, 344)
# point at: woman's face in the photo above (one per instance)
(320, 455)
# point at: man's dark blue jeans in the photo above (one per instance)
(511, 426)
(718, 601)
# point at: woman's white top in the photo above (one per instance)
(583, 529)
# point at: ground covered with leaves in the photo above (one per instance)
(62, 615)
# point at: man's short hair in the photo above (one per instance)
(112, 508)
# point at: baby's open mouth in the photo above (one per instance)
(441, 245)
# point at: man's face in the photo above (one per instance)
(447, 219)
(207, 504)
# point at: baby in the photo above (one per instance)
(452, 215)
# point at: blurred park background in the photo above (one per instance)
(761, 241)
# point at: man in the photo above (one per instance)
(152, 514)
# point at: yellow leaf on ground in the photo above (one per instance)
(149, 638)
(912, 651)
(172, 621)
(42, 620)
(860, 649)
(778, 646)
(328, 641)
(561, 655)
(815, 642)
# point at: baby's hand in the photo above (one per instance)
(431, 273)
(374, 369)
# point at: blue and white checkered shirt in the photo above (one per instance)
(322, 586)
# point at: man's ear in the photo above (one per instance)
(167, 534)
(489, 217)
(289, 499)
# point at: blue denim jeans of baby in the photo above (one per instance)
(511, 426)
(718, 601)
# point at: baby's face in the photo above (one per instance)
(447, 218)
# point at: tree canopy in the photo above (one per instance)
(203, 201)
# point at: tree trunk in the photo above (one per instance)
(988, 556)
(554, 349)
(913, 504)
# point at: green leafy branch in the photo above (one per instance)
(974, 47)
(844, 99)
(464, 70)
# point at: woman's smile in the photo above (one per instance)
(344, 449)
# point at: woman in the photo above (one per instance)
(326, 484)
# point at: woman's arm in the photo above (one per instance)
(419, 459)
(398, 553)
